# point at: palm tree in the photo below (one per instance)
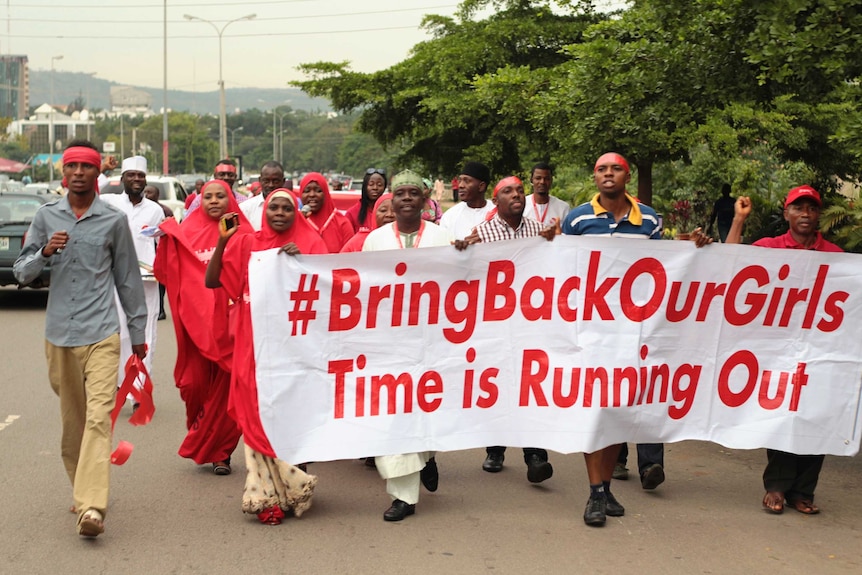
(844, 220)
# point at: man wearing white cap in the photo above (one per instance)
(141, 214)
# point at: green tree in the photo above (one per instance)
(192, 147)
(427, 107)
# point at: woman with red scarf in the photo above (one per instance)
(201, 320)
(382, 214)
(272, 486)
(324, 217)
(361, 215)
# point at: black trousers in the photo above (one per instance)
(528, 451)
(794, 475)
(648, 454)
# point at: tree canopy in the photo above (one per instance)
(560, 81)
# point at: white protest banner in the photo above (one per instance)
(568, 345)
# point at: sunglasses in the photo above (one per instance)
(380, 171)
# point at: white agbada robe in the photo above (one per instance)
(401, 472)
(253, 210)
(146, 214)
(460, 219)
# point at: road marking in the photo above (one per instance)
(8, 422)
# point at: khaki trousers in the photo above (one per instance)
(85, 379)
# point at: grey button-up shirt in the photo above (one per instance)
(98, 257)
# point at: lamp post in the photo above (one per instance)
(87, 102)
(232, 143)
(51, 123)
(222, 113)
(277, 144)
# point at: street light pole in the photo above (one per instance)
(232, 143)
(222, 112)
(51, 124)
(87, 103)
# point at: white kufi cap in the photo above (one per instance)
(135, 164)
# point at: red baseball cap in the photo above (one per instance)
(802, 192)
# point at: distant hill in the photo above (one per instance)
(70, 85)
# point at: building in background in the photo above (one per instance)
(14, 87)
(130, 101)
(66, 128)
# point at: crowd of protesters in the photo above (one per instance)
(105, 251)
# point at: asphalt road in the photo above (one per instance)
(169, 515)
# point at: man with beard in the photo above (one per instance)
(508, 223)
(141, 214)
(271, 178)
(541, 205)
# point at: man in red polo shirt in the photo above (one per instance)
(789, 477)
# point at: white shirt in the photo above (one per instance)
(460, 219)
(146, 214)
(385, 238)
(544, 213)
(253, 210)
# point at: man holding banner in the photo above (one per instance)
(509, 222)
(789, 477)
(402, 472)
(612, 212)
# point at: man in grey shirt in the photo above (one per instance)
(90, 249)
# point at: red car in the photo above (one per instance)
(345, 199)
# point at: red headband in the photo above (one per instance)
(612, 158)
(225, 168)
(83, 155)
(506, 182)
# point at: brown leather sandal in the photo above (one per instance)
(773, 502)
(805, 506)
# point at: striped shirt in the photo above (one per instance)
(497, 229)
(592, 219)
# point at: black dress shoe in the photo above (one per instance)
(538, 469)
(652, 476)
(493, 462)
(429, 475)
(398, 511)
(162, 316)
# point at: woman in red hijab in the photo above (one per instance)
(324, 217)
(201, 320)
(272, 486)
(382, 214)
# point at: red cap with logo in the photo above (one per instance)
(802, 192)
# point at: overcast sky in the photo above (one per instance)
(122, 40)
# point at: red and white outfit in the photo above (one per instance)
(270, 482)
(328, 222)
(201, 322)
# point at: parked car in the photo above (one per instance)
(39, 188)
(11, 186)
(16, 213)
(171, 192)
(188, 180)
(345, 199)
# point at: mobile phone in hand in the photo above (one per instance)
(229, 222)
